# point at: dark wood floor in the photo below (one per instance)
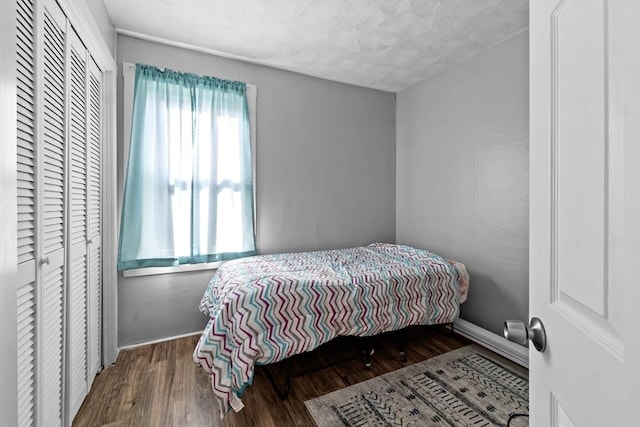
(159, 385)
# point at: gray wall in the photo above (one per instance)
(325, 177)
(103, 21)
(462, 176)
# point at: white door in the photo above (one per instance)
(28, 227)
(76, 345)
(52, 154)
(585, 211)
(94, 220)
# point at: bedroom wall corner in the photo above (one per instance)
(103, 22)
(462, 181)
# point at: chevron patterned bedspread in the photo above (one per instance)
(266, 308)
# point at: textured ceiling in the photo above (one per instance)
(382, 44)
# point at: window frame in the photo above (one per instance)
(129, 75)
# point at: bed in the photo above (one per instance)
(266, 308)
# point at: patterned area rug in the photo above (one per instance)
(465, 387)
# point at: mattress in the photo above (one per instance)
(266, 308)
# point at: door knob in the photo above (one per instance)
(45, 260)
(518, 332)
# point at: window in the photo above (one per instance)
(188, 191)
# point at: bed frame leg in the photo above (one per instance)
(368, 352)
(282, 393)
(402, 348)
(287, 380)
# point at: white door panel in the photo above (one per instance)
(94, 219)
(76, 378)
(584, 237)
(27, 221)
(51, 94)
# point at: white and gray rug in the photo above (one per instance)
(465, 387)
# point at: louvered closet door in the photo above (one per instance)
(76, 350)
(59, 123)
(94, 220)
(27, 228)
(52, 161)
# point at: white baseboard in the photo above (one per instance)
(493, 342)
(481, 336)
(190, 334)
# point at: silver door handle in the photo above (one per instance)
(518, 332)
(45, 260)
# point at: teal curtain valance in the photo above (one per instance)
(150, 72)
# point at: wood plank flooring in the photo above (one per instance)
(159, 385)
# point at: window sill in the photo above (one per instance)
(150, 271)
